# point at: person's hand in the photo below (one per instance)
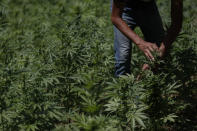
(162, 50)
(145, 67)
(147, 48)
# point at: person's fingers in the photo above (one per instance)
(150, 55)
(146, 54)
(160, 53)
(150, 48)
(145, 67)
(154, 46)
(162, 50)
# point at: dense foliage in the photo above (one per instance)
(57, 71)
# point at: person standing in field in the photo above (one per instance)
(126, 15)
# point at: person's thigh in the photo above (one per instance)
(122, 45)
(149, 20)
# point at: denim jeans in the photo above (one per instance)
(147, 17)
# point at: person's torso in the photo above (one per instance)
(136, 3)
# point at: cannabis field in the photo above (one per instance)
(57, 71)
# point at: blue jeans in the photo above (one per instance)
(147, 17)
